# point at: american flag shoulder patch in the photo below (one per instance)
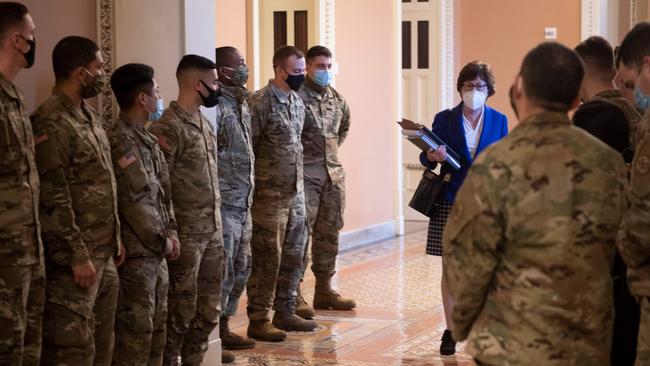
(165, 143)
(41, 138)
(126, 160)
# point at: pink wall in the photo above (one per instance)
(54, 20)
(231, 24)
(501, 32)
(366, 55)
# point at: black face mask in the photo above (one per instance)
(294, 81)
(213, 96)
(30, 56)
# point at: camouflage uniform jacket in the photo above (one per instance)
(634, 241)
(189, 147)
(631, 113)
(19, 186)
(78, 190)
(276, 123)
(327, 121)
(143, 189)
(235, 148)
(529, 245)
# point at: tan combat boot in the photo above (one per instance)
(230, 340)
(303, 309)
(227, 356)
(263, 330)
(326, 298)
(292, 322)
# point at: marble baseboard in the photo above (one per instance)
(354, 239)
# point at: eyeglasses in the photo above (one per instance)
(472, 86)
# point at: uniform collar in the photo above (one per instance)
(612, 93)
(281, 95)
(146, 137)
(180, 112)
(9, 88)
(547, 117)
(83, 112)
(315, 90)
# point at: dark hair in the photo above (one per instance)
(598, 56)
(316, 51)
(552, 75)
(70, 53)
(617, 56)
(283, 53)
(473, 70)
(194, 62)
(635, 45)
(11, 14)
(606, 121)
(223, 55)
(130, 80)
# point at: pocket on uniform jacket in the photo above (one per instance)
(10, 151)
(136, 177)
(66, 327)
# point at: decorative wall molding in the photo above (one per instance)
(633, 13)
(446, 54)
(106, 40)
(589, 18)
(352, 239)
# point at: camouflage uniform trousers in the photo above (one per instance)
(22, 294)
(643, 344)
(237, 231)
(141, 317)
(325, 203)
(194, 298)
(277, 246)
(78, 323)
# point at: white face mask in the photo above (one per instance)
(474, 99)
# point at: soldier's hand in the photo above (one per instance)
(174, 248)
(119, 259)
(437, 156)
(84, 274)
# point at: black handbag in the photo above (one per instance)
(427, 194)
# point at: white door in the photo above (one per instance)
(285, 22)
(420, 75)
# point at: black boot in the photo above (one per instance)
(447, 345)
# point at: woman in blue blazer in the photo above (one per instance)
(467, 129)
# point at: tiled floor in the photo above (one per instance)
(398, 321)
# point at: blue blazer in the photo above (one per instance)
(448, 125)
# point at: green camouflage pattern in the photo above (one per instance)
(327, 122)
(78, 190)
(631, 113)
(279, 217)
(530, 243)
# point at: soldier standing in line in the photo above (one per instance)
(327, 121)
(21, 265)
(536, 219)
(236, 182)
(188, 143)
(634, 242)
(279, 218)
(147, 217)
(81, 229)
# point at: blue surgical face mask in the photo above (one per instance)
(160, 108)
(641, 100)
(323, 77)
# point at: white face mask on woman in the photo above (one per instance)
(474, 99)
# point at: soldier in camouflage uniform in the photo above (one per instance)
(598, 57)
(531, 237)
(188, 142)
(327, 121)
(634, 242)
(236, 163)
(22, 277)
(81, 229)
(147, 217)
(279, 219)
